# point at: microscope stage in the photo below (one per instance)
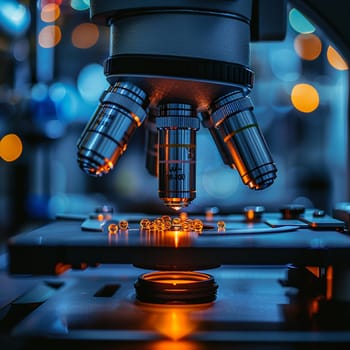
(272, 241)
(256, 306)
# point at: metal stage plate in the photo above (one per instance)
(97, 309)
(64, 243)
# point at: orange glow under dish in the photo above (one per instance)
(180, 287)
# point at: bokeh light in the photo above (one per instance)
(49, 36)
(46, 2)
(299, 22)
(85, 35)
(80, 5)
(91, 82)
(39, 92)
(308, 46)
(57, 92)
(14, 17)
(10, 147)
(305, 98)
(335, 59)
(69, 104)
(285, 64)
(50, 12)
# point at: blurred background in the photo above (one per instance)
(51, 76)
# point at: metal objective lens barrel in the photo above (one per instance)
(233, 117)
(122, 109)
(151, 143)
(226, 156)
(177, 125)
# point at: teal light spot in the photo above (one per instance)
(299, 23)
(79, 5)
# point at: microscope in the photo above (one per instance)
(180, 64)
(252, 279)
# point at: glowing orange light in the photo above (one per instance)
(314, 270)
(314, 307)
(123, 224)
(176, 238)
(176, 222)
(50, 12)
(209, 215)
(335, 59)
(85, 35)
(61, 268)
(308, 46)
(49, 36)
(10, 147)
(113, 229)
(305, 98)
(183, 216)
(250, 215)
(137, 119)
(221, 225)
(144, 224)
(100, 217)
(174, 323)
(104, 168)
(329, 282)
(46, 2)
(175, 345)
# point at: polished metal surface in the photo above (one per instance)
(106, 136)
(232, 116)
(151, 144)
(177, 125)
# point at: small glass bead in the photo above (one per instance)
(183, 216)
(197, 225)
(176, 221)
(167, 224)
(123, 224)
(113, 229)
(158, 222)
(186, 226)
(221, 225)
(166, 218)
(144, 224)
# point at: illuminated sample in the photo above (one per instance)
(113, 228)
(144, 224)
(221, 225)
(184, 287)
(167, 224)
(166, 218)
(197, 225)
(176, 223)
(123, 225)
(186, 226)
(183, 216)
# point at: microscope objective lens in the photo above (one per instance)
(177, 125)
